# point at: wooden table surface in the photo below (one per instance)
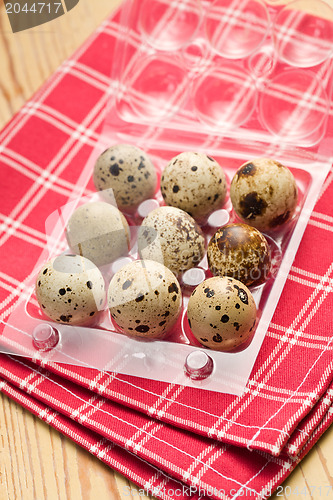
(37, 462)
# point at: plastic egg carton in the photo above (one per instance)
(233, 79)
(244, 69)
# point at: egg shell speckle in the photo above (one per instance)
(145, 299)
(241, 252)
(99, 232)
(172, 237)
(195, 183)
(70, 289)
(221, 313)
(125, 173)
(264, 193)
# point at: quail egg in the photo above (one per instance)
(125, 173)
(144, 299)
(221, 313)
(70, 289)
(99, 232)
(195, 183)
(264, 193)
(170, 236)
(241, 252)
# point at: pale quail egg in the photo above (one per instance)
(241, 252)
(221, 313)
(70, 289)
(145, 299)
(99, 232)
(195, 183)
(264, 193)
(170, 236)
(127, 173)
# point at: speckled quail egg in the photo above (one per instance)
(241, 252)
(126, 173)
(171, 236)
(195, 183)
(264, 193)
(221, 313)
(99, 232)
(70, 289)
(145, 299)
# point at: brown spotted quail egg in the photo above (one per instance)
(144, 299)
(241, 252)
(126, 173)
(99, 232)
(264, 193)
(70, 289)
(171, 236)
(195, 183)
(221, 313)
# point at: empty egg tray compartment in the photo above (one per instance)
(227, 66)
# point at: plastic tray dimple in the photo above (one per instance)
(227, 67)
(233, 79)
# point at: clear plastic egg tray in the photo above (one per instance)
(233, 79)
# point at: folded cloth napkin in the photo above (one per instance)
(137, 470)
(42, 151)
(182, 463)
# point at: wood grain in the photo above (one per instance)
(37, 462)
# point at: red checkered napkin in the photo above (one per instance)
(42, 151)
(197, 465)
(308, 425)
(292, 372)
(136, 469)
